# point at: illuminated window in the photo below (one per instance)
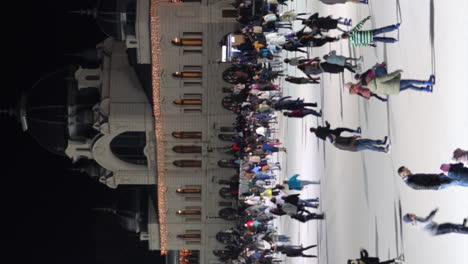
(187, 74)
(187, 101)
(187, 41)
(193, 190)
(189, 212)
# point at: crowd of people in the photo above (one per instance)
(256, 97)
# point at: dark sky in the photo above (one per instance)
(46, 209)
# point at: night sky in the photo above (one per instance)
(47, 214)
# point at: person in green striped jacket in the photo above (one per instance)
(359, 37)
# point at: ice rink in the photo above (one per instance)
(361, 194)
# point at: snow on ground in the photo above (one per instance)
(361, 193)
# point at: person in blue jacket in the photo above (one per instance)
(296, 184)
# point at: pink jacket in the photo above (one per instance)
(358, 89)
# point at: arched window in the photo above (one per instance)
(187, 149)
(187, 101)
(188, 191)
(187, 41)
(193, 135)
(189, 212)
(129, 147)
(188, 163)
(187, 74)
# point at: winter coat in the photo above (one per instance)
(292, 199)
(294, 183)
(336, 59)
(459, 173)
(326, 23)
(346, 143)
(386, 84)
(362, 91)
(426, 181)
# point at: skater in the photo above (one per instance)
(377, 70)
(365, 259)
(460, 155)
(309, 40)
(300, 113)
(434, 229)
(432, 181)
(332, 58)
(355, 144)
(323, 24)
(456, 172)
(363, 92)
(322, 132)
(286, 104)
(293, 46)
(294, 251)
(302, 80)
(393, 84)
(295, 60)
(332, 2)
(294, 199)
(309, 216)
(359, 37)
(295, 184)
(315, 67)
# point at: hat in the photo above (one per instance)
(407, 218)
(348, 85)
(445, 167)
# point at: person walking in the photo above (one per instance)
(300, 113)
(294, 251)
(355, 143)
(295, 184)
(322, 132)
(392, 83)
(429, 181)
(302, 80)
(434, 229)
(359, 37)
(332, 58)
(365, 259)
(285, 103)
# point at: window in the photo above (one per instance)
(190, 41)
(189, 212)
(192, 51)
(192, 111)
(192, 35)
(192, 219)
(188, 236)
(193, 190)
(187, 74)
(193, 68)
(186, 135)
(230, 13)
(187, 149)
(192, 199)
(187, 101)
(129, 147)
(188, 163)
(193, 83)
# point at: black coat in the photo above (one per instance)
(427, 181)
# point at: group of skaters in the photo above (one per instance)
(256, 97)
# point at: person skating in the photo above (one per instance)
(355, 143)
(365, 259)
(323, 24)
(322, 132)
(359, 37)
(332, 58)
(294, 251)
(302, 80)
(285, 103)
(432, 228)
(295, 184)
(457, 172)
(315, 67)
(300, 113)
(295, 60)
(391, 84)
(432, 181)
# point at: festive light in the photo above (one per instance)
(159, 129)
